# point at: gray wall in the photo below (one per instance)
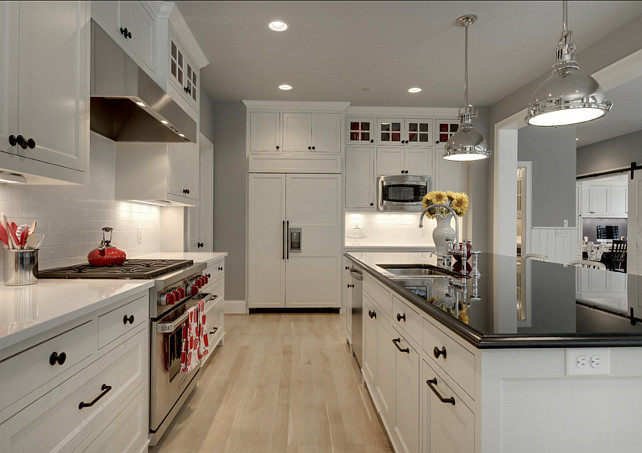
(479, 188)
(552, 151)
(610, 154)
(230, 192)
(207, 116)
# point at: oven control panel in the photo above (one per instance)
(176, 294)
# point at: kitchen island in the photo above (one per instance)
(528, 357)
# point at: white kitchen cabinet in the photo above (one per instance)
(598, 204)
(360, 131)
(199, 219)
(605, 197)
(215, 315)
(444, 129)
(360, 178)
(79, 397)
(447, 422)
(158, 172)
(44, 132)
(318, 132)
(132, 26)
(399, 160)
(385, 369)
(294, 240)
(449, 175)
(406, 393)
(347, 306)
(404, 131)
(618, 201)
(369, 342)
(184, 75)
(265, 131)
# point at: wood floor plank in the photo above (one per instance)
(282, 383)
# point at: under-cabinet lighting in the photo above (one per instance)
(153, 203)
(277, 25)
(285, 87)
(12, 178)
(164, 122)
(141, 104)
(181, 135)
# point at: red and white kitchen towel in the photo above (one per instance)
(195, 340)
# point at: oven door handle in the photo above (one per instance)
(171, 327)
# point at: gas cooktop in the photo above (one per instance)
(130, 269)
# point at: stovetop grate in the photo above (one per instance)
(130, 269)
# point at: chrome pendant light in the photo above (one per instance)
(567, 96)
(466, 144)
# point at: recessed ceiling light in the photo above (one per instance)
(365, 89)
(414, 90)
(577, 139)
(278, 25)
(285, 87)
(142, 104)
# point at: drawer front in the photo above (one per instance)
(107, 383)
(126, 431)
(379, 294)
(457, 362)
(404, 316)
(216, 288)
(122, 320)
(34, 364)
(215, 270)
(215, 325)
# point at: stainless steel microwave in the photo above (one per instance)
(402, 192)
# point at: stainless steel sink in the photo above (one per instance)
(415, 271)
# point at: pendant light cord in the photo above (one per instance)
(565, 15)
(466, 71)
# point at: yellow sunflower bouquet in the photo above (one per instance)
(458, 201)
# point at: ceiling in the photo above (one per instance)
(370, 53)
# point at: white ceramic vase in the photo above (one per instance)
(442, 232)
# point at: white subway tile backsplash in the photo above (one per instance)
(71, 217)
(390, 229)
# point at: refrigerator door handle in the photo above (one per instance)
(283, 241)
(288, 245)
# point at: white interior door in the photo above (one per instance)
(634, 247)
(266, 251)
(313, 274)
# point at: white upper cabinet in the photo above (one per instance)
(449, 175)
(183, 171)
(183, 73)
(410, 161)
(360, 131)
(407, 131)
(604, 197)
(444, 129)
(360, 181)
(44, 94)
(132, 26)
(265, 131)
(319, 132)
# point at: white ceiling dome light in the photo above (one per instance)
(567, 96)
(466, 144)
(278, 25)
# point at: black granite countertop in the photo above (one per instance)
(522, 305)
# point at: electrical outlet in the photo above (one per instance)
(588, 362)
(565, 222)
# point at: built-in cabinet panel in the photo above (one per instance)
(319, 132)
(265, 131)
(604, 197)
(360, 131)
(360, 178)
(45, 45)
(449, 175)
(407, 401)
(398, 160)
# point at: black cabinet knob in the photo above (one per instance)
(31, 144)
(277, 146)
(347, 267)
(208, 275)
(313, 148)
(437, 352)
(437, 142)
(371, 141)
(371, 204)
(129, 319)
(186, 191)
(57, 358)
(199, 245)
(13, 140)
(400, 317)
(309, 147)
(350, 286)
(126, 33)
(220, 268)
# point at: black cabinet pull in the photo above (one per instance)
(372, 314)
(126, 33)
(208, 275)
(396, 342)
(13, 140)
(57, 358)
(186, 191)
(104, 388)
(400, 317)
(214, 329)
(437, 352)
(347, 267)
(129, 319)
(199, 245)
(220, 268)
(432, 382)
(350, 286)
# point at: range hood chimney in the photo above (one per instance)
(126, 104)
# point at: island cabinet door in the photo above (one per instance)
(406, 383)
(369, 341)
(447, 424)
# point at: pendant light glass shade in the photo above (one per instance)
(567, 96)
(466, 144)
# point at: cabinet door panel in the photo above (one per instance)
(190, 169)
(53, 84)
(264, 131)
(419, 132)
(618, 200)
(266, 266)
(369, 341)
(598, 200)
(140, 24)
(8, 94)
(360, 181)
(385, 368)
(326, 132)
(297, 130)
(390, 161)
(449, 175)
(390, 131)
(419, 161)
(174, 169)
(406, 395)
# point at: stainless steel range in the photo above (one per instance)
(176, 289)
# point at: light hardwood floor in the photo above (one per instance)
(280, 383)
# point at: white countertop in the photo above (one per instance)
(26, 311)
(198, 257)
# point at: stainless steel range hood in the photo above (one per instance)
(117, 85)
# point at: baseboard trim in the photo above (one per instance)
(235, 307)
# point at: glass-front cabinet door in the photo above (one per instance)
(360, 131)
(390, 132)
(445, 130)
(418, 132)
